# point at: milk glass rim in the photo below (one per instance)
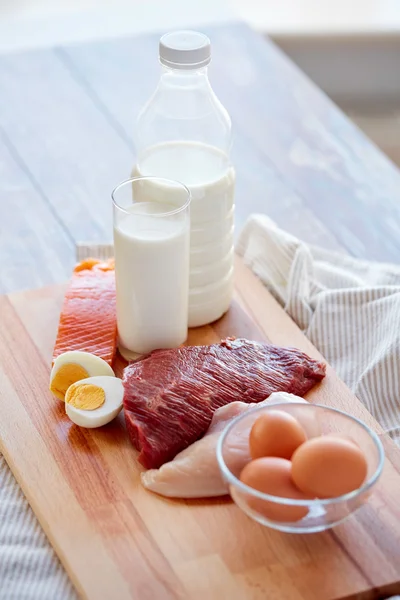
(152, 178)
(234, 481)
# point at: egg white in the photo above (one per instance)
(94, 365)
(114, 393)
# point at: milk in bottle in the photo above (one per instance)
(184, 133)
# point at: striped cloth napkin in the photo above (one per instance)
(349, 309)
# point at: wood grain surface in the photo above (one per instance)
(117, 540)
(66, 139)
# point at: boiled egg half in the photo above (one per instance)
(73, 366)
(95, 401)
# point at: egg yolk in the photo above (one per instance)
(85, 396)
(65, 376)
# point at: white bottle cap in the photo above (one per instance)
(185, 50)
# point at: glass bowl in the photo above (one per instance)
(233, 454)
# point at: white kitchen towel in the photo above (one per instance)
(29, 567)
(349, 309)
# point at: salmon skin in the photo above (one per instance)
(88, 319)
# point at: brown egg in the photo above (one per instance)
(343, 436)
(271, 475)
(328, 466)
(275, 433)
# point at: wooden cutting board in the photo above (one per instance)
(118, 541)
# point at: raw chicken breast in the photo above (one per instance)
(194, 472)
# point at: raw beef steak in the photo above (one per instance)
(171, 395)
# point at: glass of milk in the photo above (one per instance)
(151, 245)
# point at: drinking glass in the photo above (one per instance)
(151, 245)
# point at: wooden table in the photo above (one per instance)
(66, 121)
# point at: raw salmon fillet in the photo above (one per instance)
(88, 319)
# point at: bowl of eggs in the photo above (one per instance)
(299, 467)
